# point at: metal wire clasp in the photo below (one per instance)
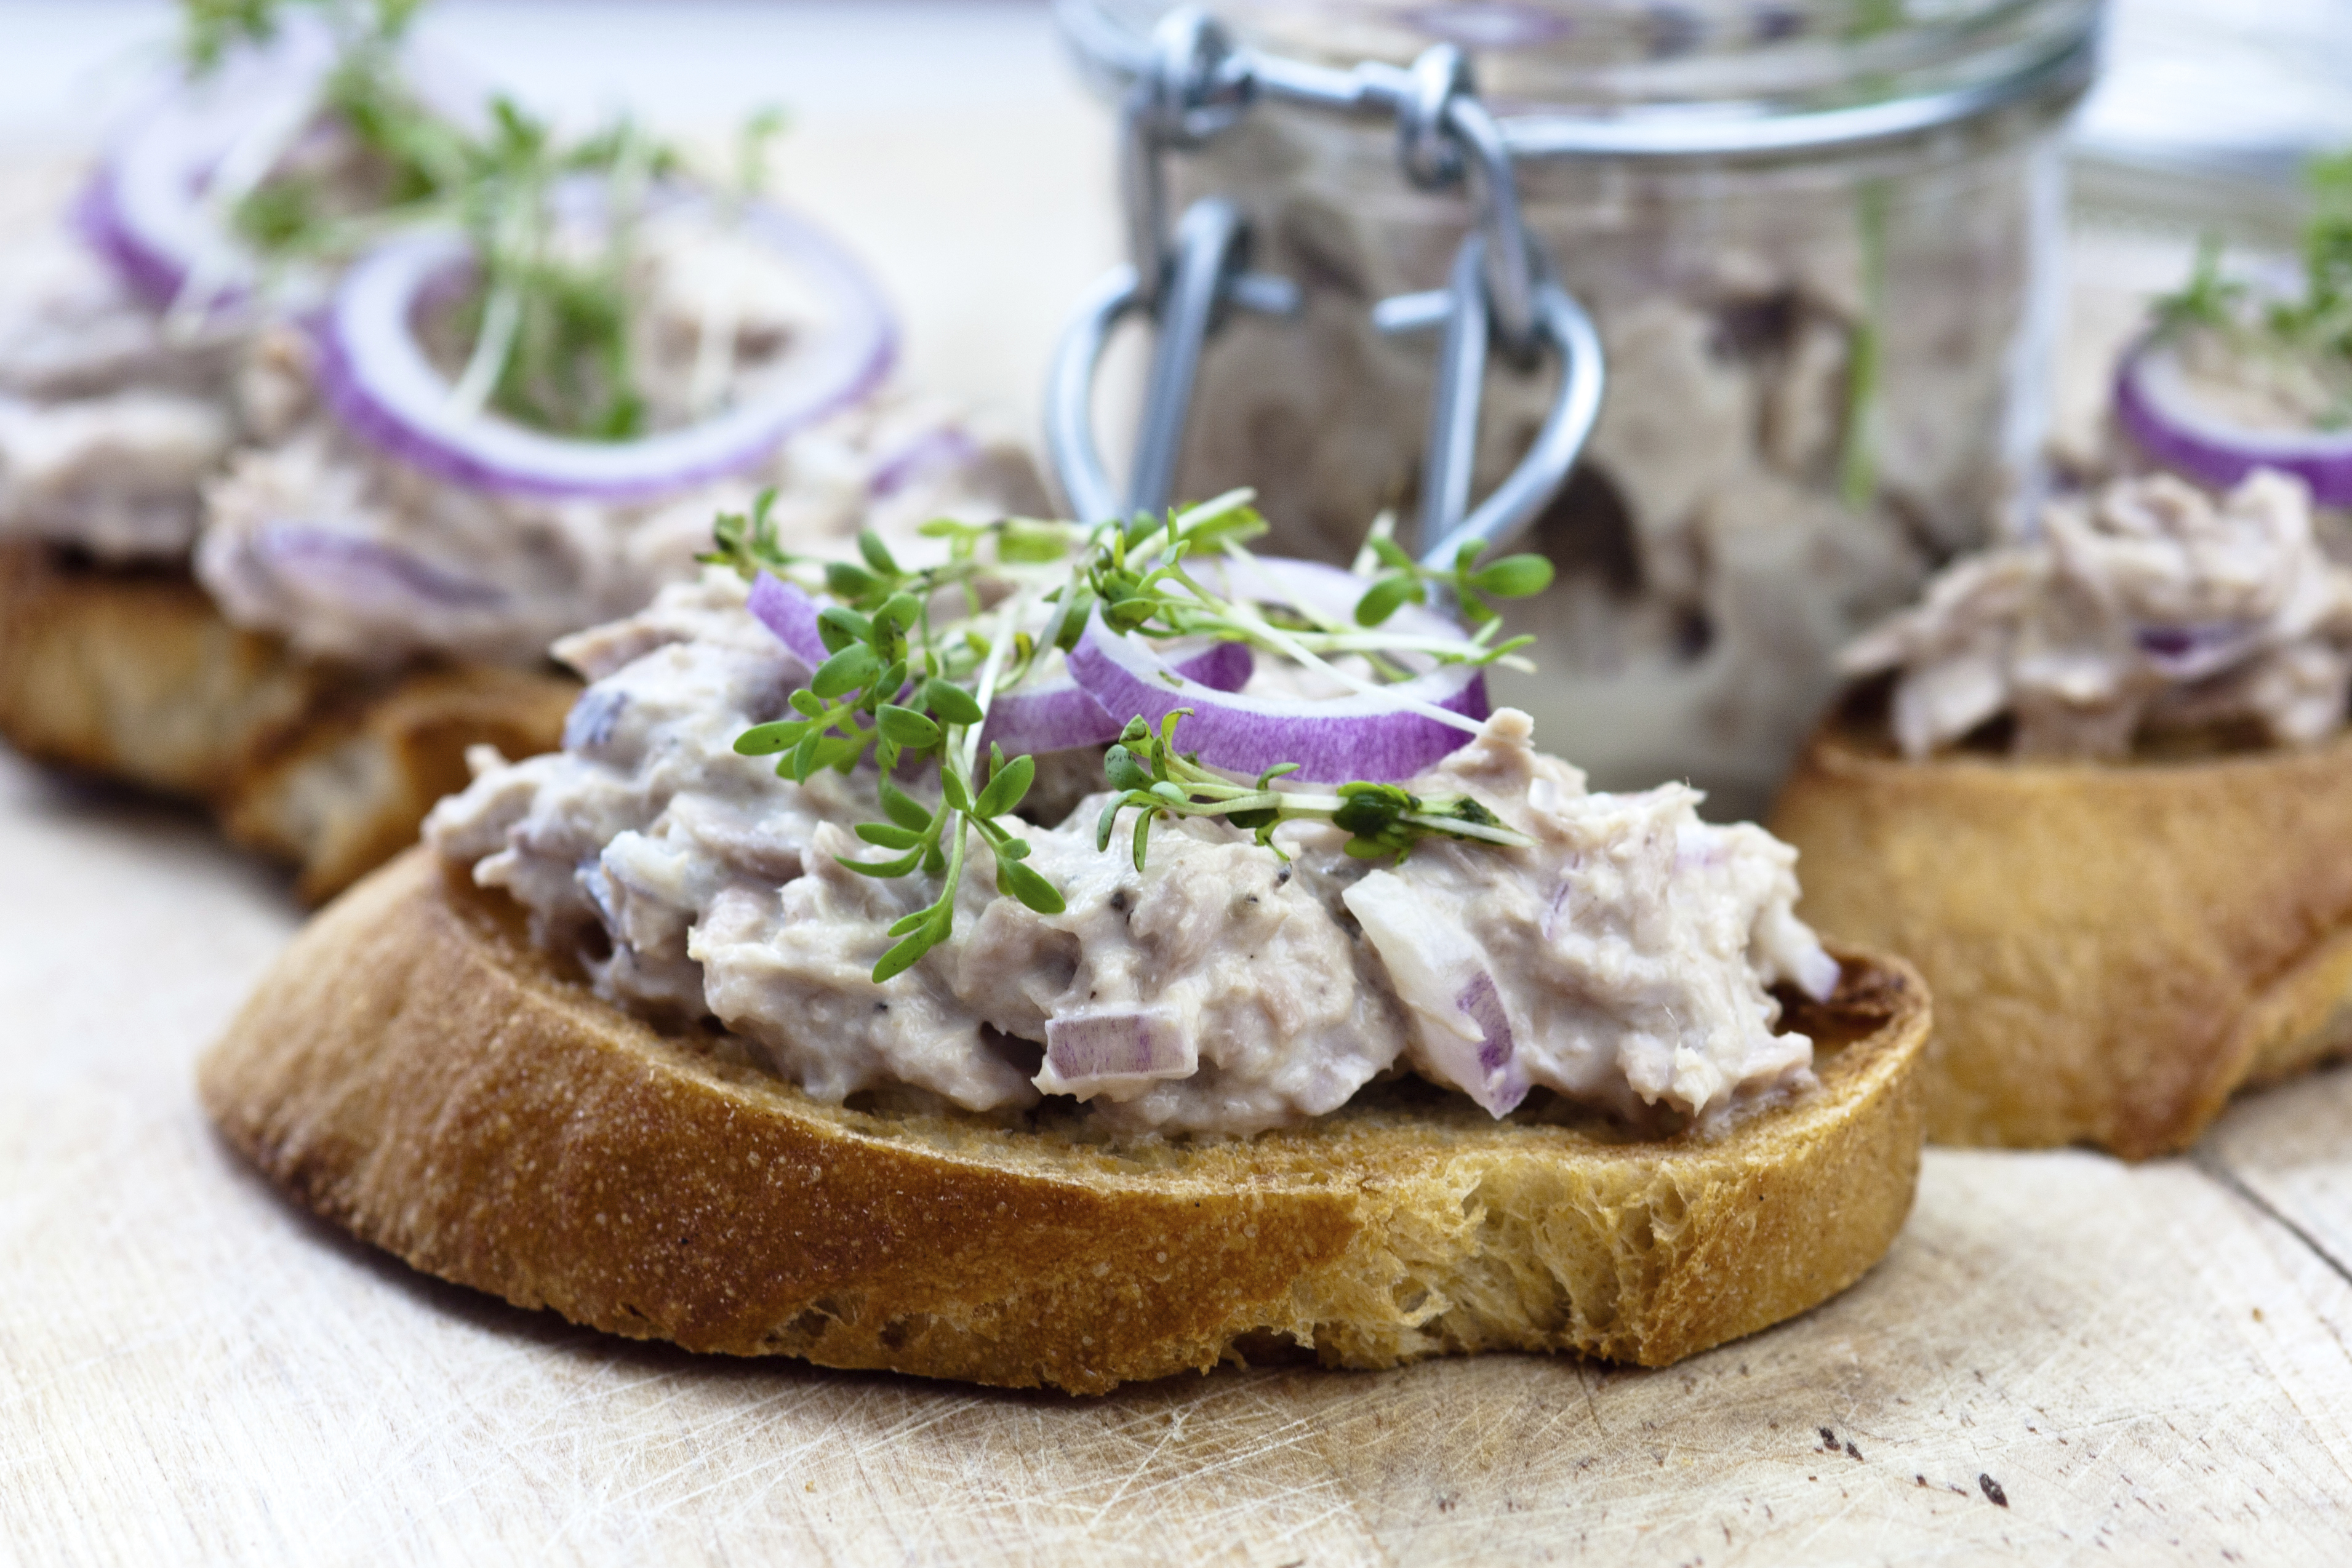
(1194, 84)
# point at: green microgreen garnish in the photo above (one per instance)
(1404, 581)
(210, 28)
(549, 321)
(550, 327)
(917, 658)
(1384, 821)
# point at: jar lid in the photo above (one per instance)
(1671, 79)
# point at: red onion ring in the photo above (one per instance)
(1369, 736)
(145, 209)
(1052, 716)
(376, 378)
(152, 273)
(2162, 418)
(1061, 715)
(1330, 592)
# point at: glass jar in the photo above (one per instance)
(1820, 239)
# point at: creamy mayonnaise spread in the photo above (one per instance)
(352, 552)
(109, 422)
(2148, 606)
(125, 436)
(2240, 385)
(1624, 960)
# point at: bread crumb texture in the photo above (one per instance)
(413, 1070)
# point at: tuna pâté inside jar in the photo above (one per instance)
(1820, 239)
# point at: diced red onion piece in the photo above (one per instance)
(2193, 653)
(1488, 1068)
(356, 570)
(1053, 716)
(591, 722)
(1368, 736)
(948, 447)
(789, 613)
(377, 379)
(1496, 1049)
(1462, 1031)
(1089, 1052)
(2161, 415)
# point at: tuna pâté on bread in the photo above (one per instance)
(415, 1069)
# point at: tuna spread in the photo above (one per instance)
(350, 552)
(2145, 607)
(107, 423)
(1823, 379)
(1623, 958)
(2277, 391)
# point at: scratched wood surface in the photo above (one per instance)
(2062, 1360)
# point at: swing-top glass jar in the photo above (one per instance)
(1820, 239)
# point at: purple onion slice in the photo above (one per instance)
(1052, 716)
(1462, 1029)
(146, 208)
(784, 610)
(377, 379)
(354, 569)
(943, 447)
(1374, 736)
(2193, 652)
(1060, 715)
(1087, 1053)
(1369, 736)
(2159, 413)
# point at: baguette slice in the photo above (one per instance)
(413, 1070)
(136, 675)
(2114, 947)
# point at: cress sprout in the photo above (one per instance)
(914, 660)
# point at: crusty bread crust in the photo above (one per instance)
(415, 1071)
(2115, 949)
(135, 675)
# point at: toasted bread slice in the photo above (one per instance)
(2114, 947)
(136, 675)
(415, 1071)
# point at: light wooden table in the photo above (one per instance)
(2063, 1359)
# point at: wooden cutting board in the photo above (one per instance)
(2063, 1359)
